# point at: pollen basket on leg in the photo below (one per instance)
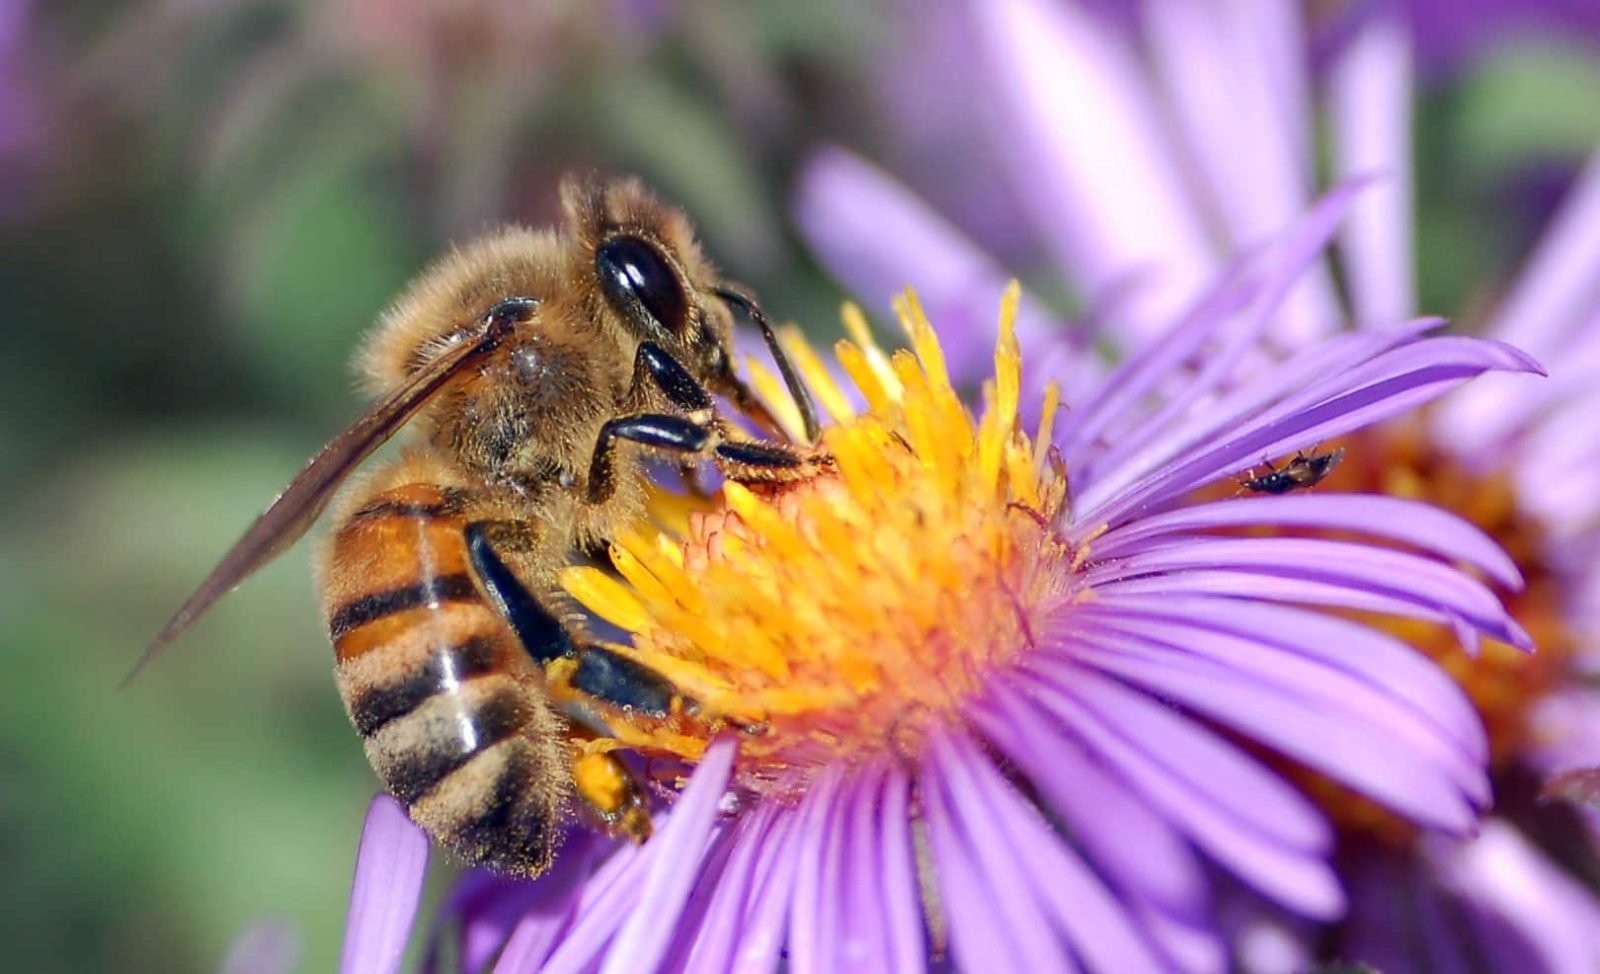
(840, 617)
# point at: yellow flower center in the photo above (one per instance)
(839, 617)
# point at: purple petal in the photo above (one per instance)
(1472, 354)
(1010, 877)
(1088, 147)
(1535, 421)
(712, 940)
(1132, 845)
(1267, 417)
(1256, 283)
(1525, 905)
(814, 942)
(1433, 529)
(1077, 903)
(606, 899)
(1370, 96)
(1560, 286)
(990, 926)
(1191, 757)
(1234, 584)
(1180, 644)
(1382, 900)
(390, 867)
(1191, 946)
(1392, 384)
(1236, 76)
(725, 843)
(1566, 724)
(1555, 296)
(1398, 574)
(902, 896)
(1357, 738)
(861, 901)
(498, 915)
(676, 857)
(878, 239)
(1156, 439)
(1381, 660)
(1249, 842)
(760, 940)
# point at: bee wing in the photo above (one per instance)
(296, 509)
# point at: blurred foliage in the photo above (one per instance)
(211, 204)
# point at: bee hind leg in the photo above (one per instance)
(612, 793)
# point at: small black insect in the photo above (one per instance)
(1298, 474)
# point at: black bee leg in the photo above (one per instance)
(655, 365)
(600, 673)
(608, 676)
(741, 460)
(541, 633)
(672, 433)
(791, 377)
(746, 461)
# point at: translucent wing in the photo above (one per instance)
(296, 509)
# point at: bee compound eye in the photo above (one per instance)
(634, 273)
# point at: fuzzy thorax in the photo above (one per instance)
(840, 618)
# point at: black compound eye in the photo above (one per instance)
(634, 274)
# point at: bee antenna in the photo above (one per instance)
(791, 378)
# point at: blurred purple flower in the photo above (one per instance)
(1047, 773)
(1153, 151)
(23, 121)
(266, 947)
(1449, 32)
(458, 89)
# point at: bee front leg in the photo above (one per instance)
(655, 366)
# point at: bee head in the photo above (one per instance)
(652, 277)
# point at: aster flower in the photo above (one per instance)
(1227, 161)
(1013, 700)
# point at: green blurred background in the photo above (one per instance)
(202, 207)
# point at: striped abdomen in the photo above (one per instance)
(452, 711)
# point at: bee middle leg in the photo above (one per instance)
(744, 461)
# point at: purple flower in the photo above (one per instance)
(1451, 31)
(1008, 686)
(1200, 118)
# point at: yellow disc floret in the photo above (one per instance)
(837, 617)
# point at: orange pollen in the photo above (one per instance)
(838, 618)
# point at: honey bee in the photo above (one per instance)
(544, 368)
(1301, 473)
